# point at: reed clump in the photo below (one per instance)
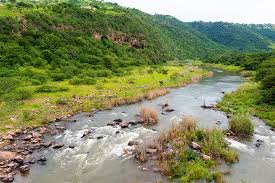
(148, 116)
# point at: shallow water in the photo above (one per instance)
(103, 160)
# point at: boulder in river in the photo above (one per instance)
(132, 143)
(124, 125)
(133, 123)
(58, 145)
(99, 137)
(118, 120)
(42, 159)
(169, 110)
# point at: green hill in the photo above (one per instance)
(243, 37)
(94, 39)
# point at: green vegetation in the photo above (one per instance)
(80, 50)
(24, 104)
(247, 99)
(239, 37)
(189, 162)
(256, 97)
(241, 125)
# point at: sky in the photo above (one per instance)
(237, 11)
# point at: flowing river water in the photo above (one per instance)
(102, 160)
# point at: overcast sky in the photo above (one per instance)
(240, 11)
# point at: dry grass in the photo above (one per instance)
(156, 93)
(148, 115)
(186, 124)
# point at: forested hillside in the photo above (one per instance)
(241, 37)
(80, 41)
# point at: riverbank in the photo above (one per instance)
(59, 100)
(247, 100)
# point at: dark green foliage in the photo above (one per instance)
(266, 74)
(239, 37)
(19, 94)
(264, 65)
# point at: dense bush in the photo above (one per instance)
(241, 125)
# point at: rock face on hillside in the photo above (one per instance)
(122, 38)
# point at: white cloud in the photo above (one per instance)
(241, 11)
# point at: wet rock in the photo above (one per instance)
(151, 151)
(272, 129)
(99, 137)
(19, 159)
(47, 144)
(24, 168)
(86, 132)
(132, 143)
(118, 120)
(218, 122)
(117, 132)
(259, 142)
(124, 125)
(169, 110)
(58, 145)
(164, 113)
(133, 123)
(6, 178)
(7, 155)
(112, 124)
(42, 159)
(71, 146)
(206, 157)
(195, 146)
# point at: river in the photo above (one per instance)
(102, 160)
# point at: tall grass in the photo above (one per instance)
(148, 115)
(241, 125)
(157, 93)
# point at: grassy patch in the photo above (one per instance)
(193, 152)
(47, 100)
(241, 125)
(247, 99)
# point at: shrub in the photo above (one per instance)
(50, 89)
(61, 101)
(148, 115)
(85, 81)
(241, 125)
(18, 95)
